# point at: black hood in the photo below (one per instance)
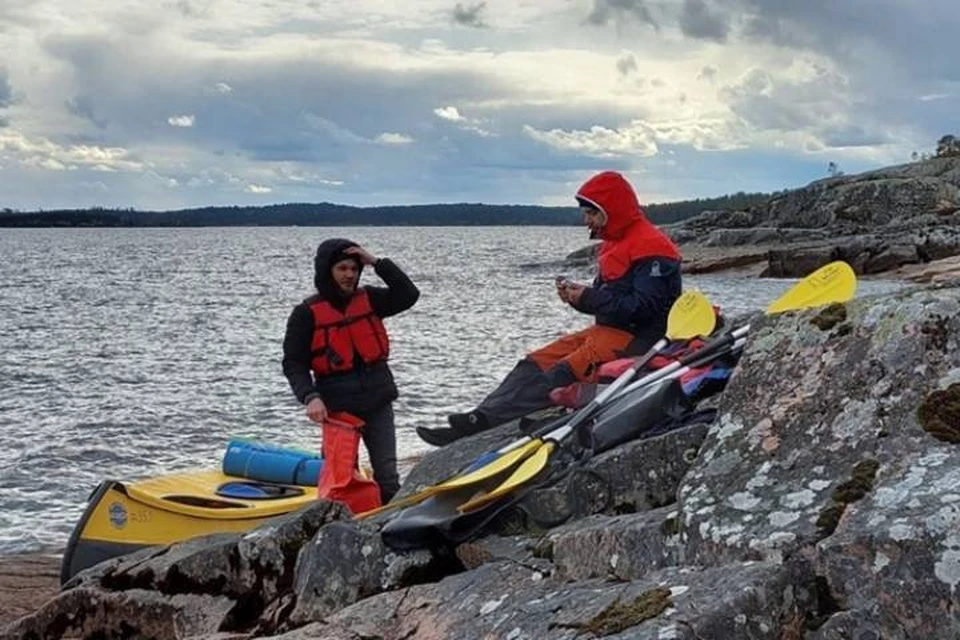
(329, 253)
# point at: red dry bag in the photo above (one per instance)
(340, 478)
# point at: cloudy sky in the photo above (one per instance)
(173, 103)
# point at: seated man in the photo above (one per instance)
(637, 283)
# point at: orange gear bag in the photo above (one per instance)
(340, 478)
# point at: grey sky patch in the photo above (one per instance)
(697, 21)
(82, 106)
(885, 40)
(470, 16)
(4, 122)
(708, 73)
(771, 29)
(606, 11)
(6, 90)
(818, 105)
(627, 64)
(190, 9)
(853, 136)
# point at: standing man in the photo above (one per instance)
(336, 348)
(630, 299)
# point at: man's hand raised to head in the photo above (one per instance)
(365, 256)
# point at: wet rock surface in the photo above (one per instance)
(822, 503)
(26, 582)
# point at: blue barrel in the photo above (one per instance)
(271, 464)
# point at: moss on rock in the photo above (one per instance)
(619, 616)
(936, 333)
(830, 316)
(829, 518)
(939, 414)
(859, 484)
(848, 491)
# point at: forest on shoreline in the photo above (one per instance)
(327, 214)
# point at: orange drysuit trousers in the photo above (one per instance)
(583, 351)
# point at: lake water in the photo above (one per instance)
(127, 353)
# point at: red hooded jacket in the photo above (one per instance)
(627, 236)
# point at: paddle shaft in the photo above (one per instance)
(587, 412)
(705, 352)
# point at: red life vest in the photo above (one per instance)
(338, 337)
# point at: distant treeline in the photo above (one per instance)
(333, 215)
(670, 212)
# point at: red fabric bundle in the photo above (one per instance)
(340, 478)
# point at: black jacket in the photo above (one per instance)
(639, 301)
(366, 388)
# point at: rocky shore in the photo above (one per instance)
(822, 503)
(26, 582)
(880, 222)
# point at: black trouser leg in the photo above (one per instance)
(525, 389)
(380, 437)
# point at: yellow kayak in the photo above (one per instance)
(123, 517)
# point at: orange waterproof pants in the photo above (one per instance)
(584, 351)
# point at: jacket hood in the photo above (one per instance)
(329, 253)
(611, 193)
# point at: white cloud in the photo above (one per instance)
(393, 138)
(474, 125)
(449, 113)
(314, 98)
(256, 188)
(181, 121)
(600, 142)
(45, 154)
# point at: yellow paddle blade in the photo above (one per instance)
(690, 316)
(521, 475)
(399, 503)
(834, 282)
(494, 467)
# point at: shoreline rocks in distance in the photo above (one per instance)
(879, 222)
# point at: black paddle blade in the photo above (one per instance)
(436, 523)
(633, 414)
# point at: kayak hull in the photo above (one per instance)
(123, 517)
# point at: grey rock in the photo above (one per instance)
(138, 613)
(347, 562)
(620, 548)
(637, 476)
(507, 600)
(806, 408)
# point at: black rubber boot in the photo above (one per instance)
(461, 425)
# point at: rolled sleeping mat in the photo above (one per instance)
(271, 464)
